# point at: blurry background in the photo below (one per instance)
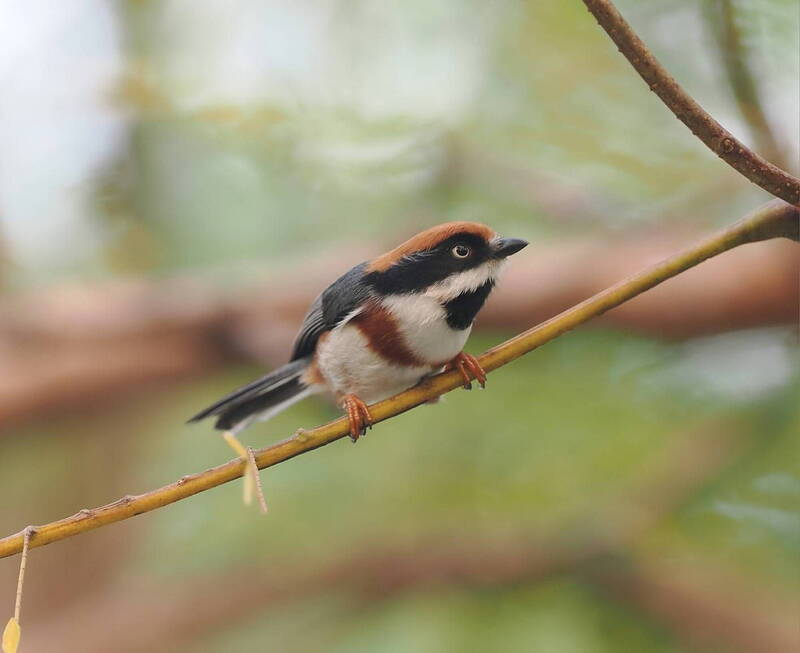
(179, 179)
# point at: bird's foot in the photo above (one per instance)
(358, 415)
(469, 368)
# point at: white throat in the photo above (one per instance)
(465, 282)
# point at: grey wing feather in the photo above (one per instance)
(339, 299)
(313, 325)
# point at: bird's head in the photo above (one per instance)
(445, 262)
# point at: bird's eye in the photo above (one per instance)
(461, 251)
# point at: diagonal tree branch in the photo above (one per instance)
(774, 220)
(719, 140)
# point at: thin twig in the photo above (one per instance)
(262, 502)
(774, 220)
(23, 563)
(721, 19)
(719, 140)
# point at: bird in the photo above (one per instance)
(380, 328)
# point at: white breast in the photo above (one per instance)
(423, 322)
(350, 366)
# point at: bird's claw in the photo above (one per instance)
(469, 368)
(358, 416)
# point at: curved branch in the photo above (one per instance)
(719, 140)
(774, 220)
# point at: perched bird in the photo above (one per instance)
(381, 328)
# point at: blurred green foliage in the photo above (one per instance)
(555, 435)
(267, 132)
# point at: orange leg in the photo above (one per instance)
(469, 368)
(358, 415)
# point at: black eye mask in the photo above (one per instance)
(420, 270)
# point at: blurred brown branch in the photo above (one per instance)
(707, 610)
(701, 608)
(69, 348)
(774, 220)
(129, 618)
(719, 140)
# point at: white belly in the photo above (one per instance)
(423, 323)
(350, 366)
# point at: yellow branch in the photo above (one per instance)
(774, 220)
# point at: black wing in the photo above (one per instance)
(334, 304)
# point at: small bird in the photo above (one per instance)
(381, 328)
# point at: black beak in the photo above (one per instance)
(507, 246)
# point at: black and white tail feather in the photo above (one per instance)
(273, 393)
(261, 399)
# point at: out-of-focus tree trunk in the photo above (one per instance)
(70, 347)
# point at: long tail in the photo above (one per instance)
(261, 399)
